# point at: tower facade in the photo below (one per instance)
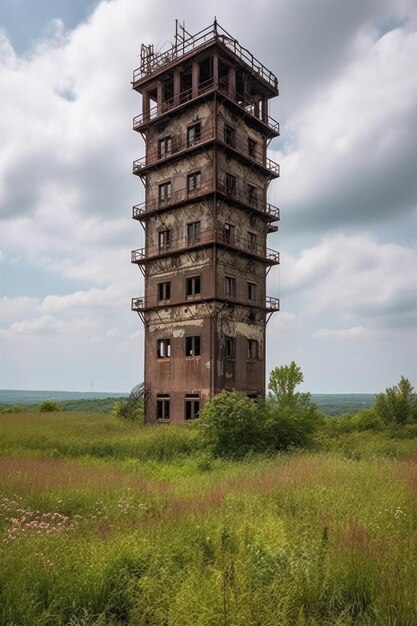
(206, 127)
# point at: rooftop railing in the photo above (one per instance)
(213, 33)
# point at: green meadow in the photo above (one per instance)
(104, 522)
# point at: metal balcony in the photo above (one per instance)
(183, 195)
(206, 87)
(272, 304)
(207, 237)
(138, 304)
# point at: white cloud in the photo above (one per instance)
(356, 332)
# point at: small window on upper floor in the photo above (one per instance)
(230, 286)
(251, 291)
(229, 233)
(230, 184)
(193, 181)
(164, 191)
(193, 134)
(164, 291)
(252, 241)
(192, 285)
(163, 348)
(192, 346)
(229, 135)
(229, 347)
(164, 239)
(252, 195)
(193, 233)
(164, 147)
(252, 148)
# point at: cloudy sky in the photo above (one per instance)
(347, 192)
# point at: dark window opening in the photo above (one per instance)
(229, 233)
(162, 407)
(230, 286)
(164, 239)
(186, 84)
(253, 349)
(164, 191)
(193, 285)
(252, 241)
(206, 70)
(193, 181)
(193, 232)
(163, 348)
(252, 195)
(192, 406)
(192, 346)
(164, 147)
(229, 136)
(252, 148)
(230, 185)
(164, 291)
(230, 347)
(193, 134)
(252, 291)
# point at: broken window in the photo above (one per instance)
(193, 134)
(193, 285)
(192, 346)
(192, 406)
(162, 406)
(253, 349)
(163, 348)
(164, 291)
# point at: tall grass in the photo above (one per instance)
(317, 538)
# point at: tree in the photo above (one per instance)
(398, 405)
(231, 424)
(291, 415)
(282, 383)
(49, 406)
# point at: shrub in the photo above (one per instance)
(128, 410)
(48, 406)
(231, 425)
(398, 404)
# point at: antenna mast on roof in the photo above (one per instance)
(181, 34)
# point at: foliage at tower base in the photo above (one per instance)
(233, 425)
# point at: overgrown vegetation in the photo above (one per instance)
(104, 523)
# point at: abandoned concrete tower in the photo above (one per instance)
(206, 218)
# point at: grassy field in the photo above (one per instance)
(104, 523)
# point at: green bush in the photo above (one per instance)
(128, 410)
(231, 425)
(398, 404)
(49, 406)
